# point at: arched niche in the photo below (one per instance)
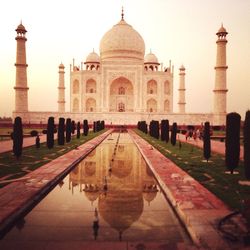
(76, 87)
(151, 105)
(91, 86)
(152, 87)
(90, 105)
(166, 106)
(75, 105)
(121, 97)
(166, 87)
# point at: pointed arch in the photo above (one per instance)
(75, 105)
(91, 86)
(152, 87)
(151, 105)
(121, 95)
(166, 87)
(76, 87)
(90, 105)
(166, 106)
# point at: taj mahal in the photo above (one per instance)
(121, 85)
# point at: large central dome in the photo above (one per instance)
(122, 41)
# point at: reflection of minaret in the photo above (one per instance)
(220, 88)
(21, 88)
(181, 90)
(61, 89)
(96, 224)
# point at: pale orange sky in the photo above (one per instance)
(179, 30)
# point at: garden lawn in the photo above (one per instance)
(32, 158)
(210, 174)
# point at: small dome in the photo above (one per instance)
(21, 28)
(122, 41)
(93, 58)
(182, 67)
(221, 30)
(151, 58)
(61, 66)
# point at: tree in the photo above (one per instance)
(78, 134)
(73, 127)
(154, 129)
(163, 130)
(167, 131)
(61, 128)
(246, 134)
(144, 127)
(102, 125)
(173, 134)
(232, 141)
(17, 137)
(68, 130)
(98, 126)
(94, 127)
(206, 142)
(50, 132)
(85, 128)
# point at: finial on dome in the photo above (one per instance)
(122, 13)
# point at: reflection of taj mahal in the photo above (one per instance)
(122, 85)
(130, 183)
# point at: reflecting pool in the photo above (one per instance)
(110, 196)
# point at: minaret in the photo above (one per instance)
(61, 89)
(220, 88)
(21, 88)
(182, 90)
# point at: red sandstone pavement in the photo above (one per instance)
(7, 145)
(216, 146)
(198, 208)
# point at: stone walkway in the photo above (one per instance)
(199, 209)
(216, 146)
(7, 145)
(17, 197)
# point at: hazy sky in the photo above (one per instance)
(179, 30)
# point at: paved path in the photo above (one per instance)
(216, 146)
(7, 145)
(17, 197)
(198, 208)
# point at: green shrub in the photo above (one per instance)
(61, 129)
(206, 142)
(246, 132)
(17, 137)
(232, 141)
(173, 134)
(68, 130)
(50, 132)
(33, 133)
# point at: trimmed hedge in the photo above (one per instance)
(61, 129)
(33, 133)
(246, 132)
(173, 134)
(207, 141)
(17, 137)
(50, 132)
(232, 141)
